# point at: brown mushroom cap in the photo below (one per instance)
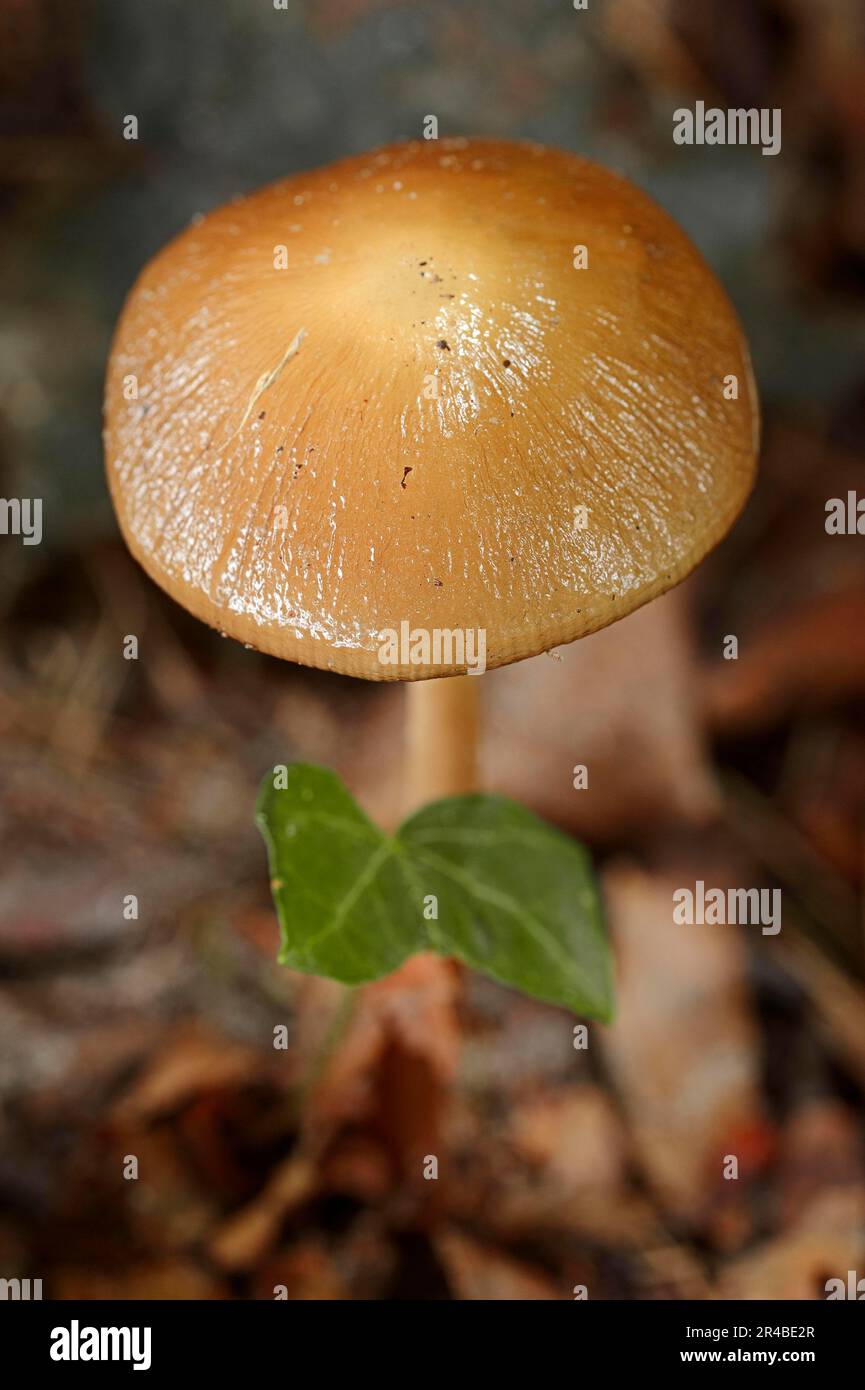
(405, 423)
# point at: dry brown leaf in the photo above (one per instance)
(821, 1148)
(414, 1007)
(247, 1235)
(683, 1050)
(797, 1265)
(575, 1135)
(516, 1208)
(161, 1279)
(803, 659)
(305, 1272)
(358, 1166)
(477, 1271)
(668, 1271)
(166, 1207)
(839, 1000)
(621, 703)
(191, 1060)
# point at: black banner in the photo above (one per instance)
(235, 1339)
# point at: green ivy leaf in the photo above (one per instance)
(514, 897)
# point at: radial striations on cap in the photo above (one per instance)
(395, 390)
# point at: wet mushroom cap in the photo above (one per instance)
(384, 393)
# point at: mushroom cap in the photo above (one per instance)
(394, 391)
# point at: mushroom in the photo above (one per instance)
(474, 388)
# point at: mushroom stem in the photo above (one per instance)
(441, 738)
